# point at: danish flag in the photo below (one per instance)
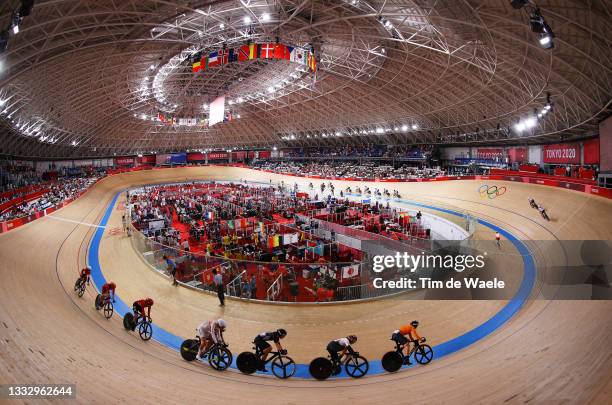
(267, 51)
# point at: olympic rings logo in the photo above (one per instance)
(491, 191)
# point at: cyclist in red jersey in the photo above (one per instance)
(105, 294)
(85, 273)
(139, 308)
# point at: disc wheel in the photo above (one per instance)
(320, 368)
(356, 366)
(283, 367)
(128, 321)
(392, 361)
(145, 330)
(247, 362)
(189, 349)
(220, 358)
(108, 310)
(423, 354)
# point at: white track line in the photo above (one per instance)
(75, 222)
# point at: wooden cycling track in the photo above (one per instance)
(551, 351)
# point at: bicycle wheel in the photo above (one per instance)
(97, 301)
(356, 366)
(145, 330)
(220, 358)
(283, 367)
(392, 361)
(128, 321)
(189, 349)
(81, 289)
(247, 362)
(77, 284)
(108, 310)
(320, 368)
(423, 354)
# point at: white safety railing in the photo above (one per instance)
(275, 289)
(233, 287)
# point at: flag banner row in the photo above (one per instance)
(170, 119)
(202, 61)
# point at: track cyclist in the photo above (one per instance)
(107, 293)
(86, 274)
(261, 341)
(140, 307)
(341, 346)
(405, 334)
(210, 332)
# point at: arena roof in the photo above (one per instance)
(92, 77)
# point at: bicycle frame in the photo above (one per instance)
(259, 354)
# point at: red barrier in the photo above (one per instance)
(20, 200)
(526, 168)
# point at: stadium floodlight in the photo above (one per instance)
(530, 122)
(519, 127)
(247, 19)
(415, 126)
(265, 17)
(404, 128)
(546, 41)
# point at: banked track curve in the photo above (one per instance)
(49, 336)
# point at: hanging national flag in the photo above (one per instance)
(350, 271)
(247, 52)
(195, 62)
(223, 56)
(204, 62)
(298, 55)
(312, 62)
(267, 51)
(210, 215)
(288, 52)
(279, 51)
(213, 59)
(233, 55)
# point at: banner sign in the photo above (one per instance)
(218, 155)
(562, 153)
(238, 155)
(489, 153)
(591, 152)
(124, 161)
(171, 158)
(517, 155)
(195, 156)
(148, 159)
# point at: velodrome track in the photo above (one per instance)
(551, 351)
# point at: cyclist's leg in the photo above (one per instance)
(333, 353)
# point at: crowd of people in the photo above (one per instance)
(14, 176)
(420, 152)
(54, 194)
(345, 169)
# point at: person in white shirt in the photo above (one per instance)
(210, 332)
(337, 348)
